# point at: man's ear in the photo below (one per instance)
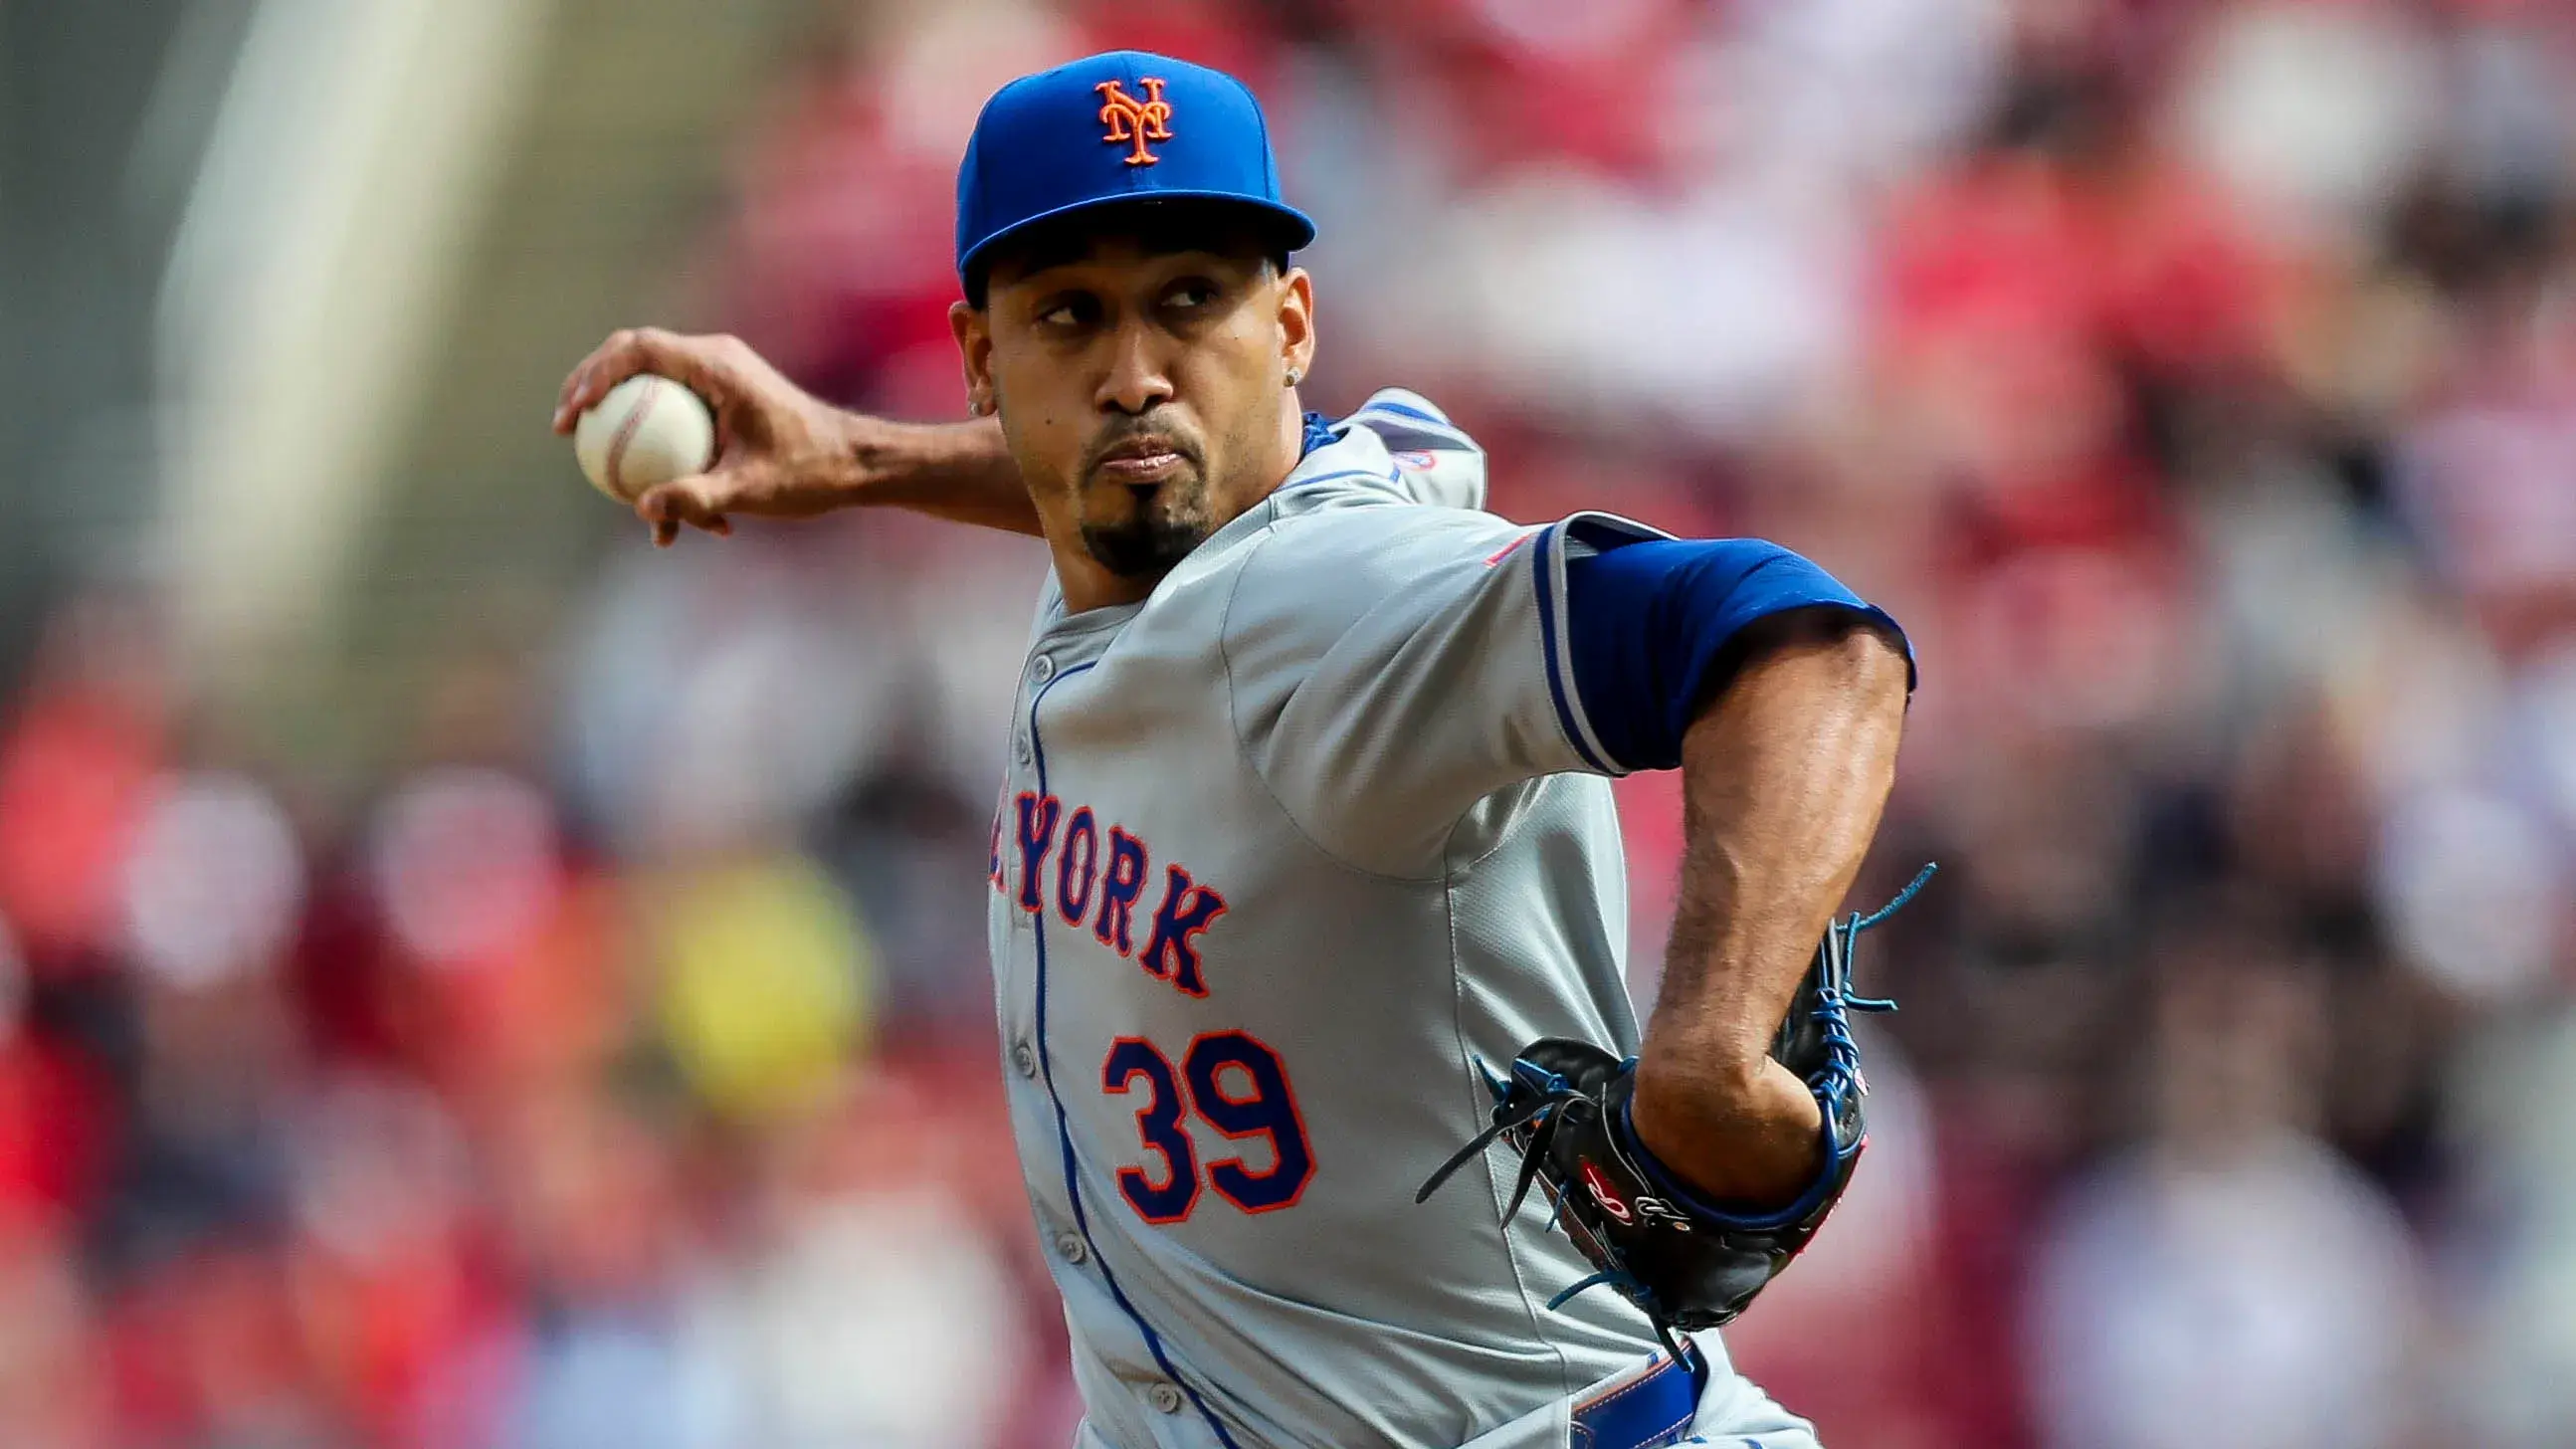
(974, 333)
(1296, 324)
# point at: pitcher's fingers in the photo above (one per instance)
(667, 532)
(576, 387)
(628, 351)
(590, 378)
(682, 500)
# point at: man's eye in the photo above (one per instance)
(1193, 294)
(1075, 311)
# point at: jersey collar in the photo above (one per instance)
(1319, 434)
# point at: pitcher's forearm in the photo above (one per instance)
(784, 453)
(957, 471)
(1784, 779)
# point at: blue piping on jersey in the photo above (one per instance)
(1405, 418)
(1405, 410)
(1544, 575)
(1064, 1126)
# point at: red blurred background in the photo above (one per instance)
(593, 1048)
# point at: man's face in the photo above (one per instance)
(1142, 389)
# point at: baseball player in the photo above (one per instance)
(1305, 867)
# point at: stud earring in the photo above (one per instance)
(1295, 377)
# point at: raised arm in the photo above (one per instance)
(781, 452)
(1784, 774)
(1690, 1180)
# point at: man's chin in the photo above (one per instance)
(1140, 549)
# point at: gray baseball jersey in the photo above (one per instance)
(1283, 853)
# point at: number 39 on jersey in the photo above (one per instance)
(1235, 1084)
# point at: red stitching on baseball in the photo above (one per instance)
(618, 440)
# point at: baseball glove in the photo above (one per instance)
(1688, 1263)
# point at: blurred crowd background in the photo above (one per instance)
(471, 979)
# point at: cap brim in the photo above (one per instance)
(1297, 230)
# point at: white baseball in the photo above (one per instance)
(647, 431)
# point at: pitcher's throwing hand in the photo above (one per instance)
(780, 451)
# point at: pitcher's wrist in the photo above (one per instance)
(1747, 1138)
(872, 458)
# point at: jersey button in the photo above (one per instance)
(1072, 1247)
(1020, 748)
(1025, 1058)
(1042, 668)
(1165, 1399)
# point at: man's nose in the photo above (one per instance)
(1136, 380)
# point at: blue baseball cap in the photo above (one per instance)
(1121, 127)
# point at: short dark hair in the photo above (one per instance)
(1159, 227)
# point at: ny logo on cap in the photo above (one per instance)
(1135, 121)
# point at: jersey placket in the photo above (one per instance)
(1056, 660)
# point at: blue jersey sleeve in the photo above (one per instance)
(1651, 629)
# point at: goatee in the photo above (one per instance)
(1142, 547)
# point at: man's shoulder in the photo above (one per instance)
(1406, 420)
(1342, 552)
(1396, 443)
